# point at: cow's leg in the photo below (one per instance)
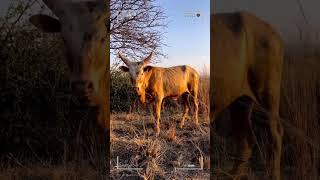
(157, 112)
(163, 104)
(276, 132)
(242, 133)
(271, 105)
(185, 101)
(196, 107)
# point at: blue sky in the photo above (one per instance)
(188, 36)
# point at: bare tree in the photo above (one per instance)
(136, 27)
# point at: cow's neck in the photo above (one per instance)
(146, 81)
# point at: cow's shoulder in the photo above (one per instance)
(148, 68)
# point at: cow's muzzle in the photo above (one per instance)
(82, 88)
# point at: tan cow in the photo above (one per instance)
(246, 62)
(83, 26)
(157, 83)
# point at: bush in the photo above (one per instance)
(34, 90)
(121, 95)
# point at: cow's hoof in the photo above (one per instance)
(157, 134)
(196, 125)
(181, 125)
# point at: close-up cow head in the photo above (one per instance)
(82, 25)
(137, 72)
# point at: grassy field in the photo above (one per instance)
(133, 140)
(300, 110)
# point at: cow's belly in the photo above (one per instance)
(175, 90)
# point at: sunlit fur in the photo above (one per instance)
(246, 61)
(156, 83)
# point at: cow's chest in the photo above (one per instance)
(150, 94)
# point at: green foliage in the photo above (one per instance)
(34, 90)
(121, 96)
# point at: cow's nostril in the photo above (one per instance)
(82, 87)
(90, 86)
(76, 85)
(136, 89)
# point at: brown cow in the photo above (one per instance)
(83, 27)
(159, 83)
(247, 57)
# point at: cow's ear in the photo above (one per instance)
(124, 68)
(147, 68)
(46, 23)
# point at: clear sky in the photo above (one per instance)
(188, 36)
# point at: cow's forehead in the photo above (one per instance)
(83, 9)
(81, 20)
(136, 65)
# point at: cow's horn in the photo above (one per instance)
(124, 59)
(147, 60)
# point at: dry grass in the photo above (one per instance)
(133, 141)
(50, 172)
(300, 113)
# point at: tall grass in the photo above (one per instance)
(300, 113)
(134, 143)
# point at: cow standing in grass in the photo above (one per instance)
(156, 83)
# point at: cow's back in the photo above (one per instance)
(246, 59)
(174, 81)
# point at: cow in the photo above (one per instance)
(156, 83)
(246, 63)
(83, 27)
